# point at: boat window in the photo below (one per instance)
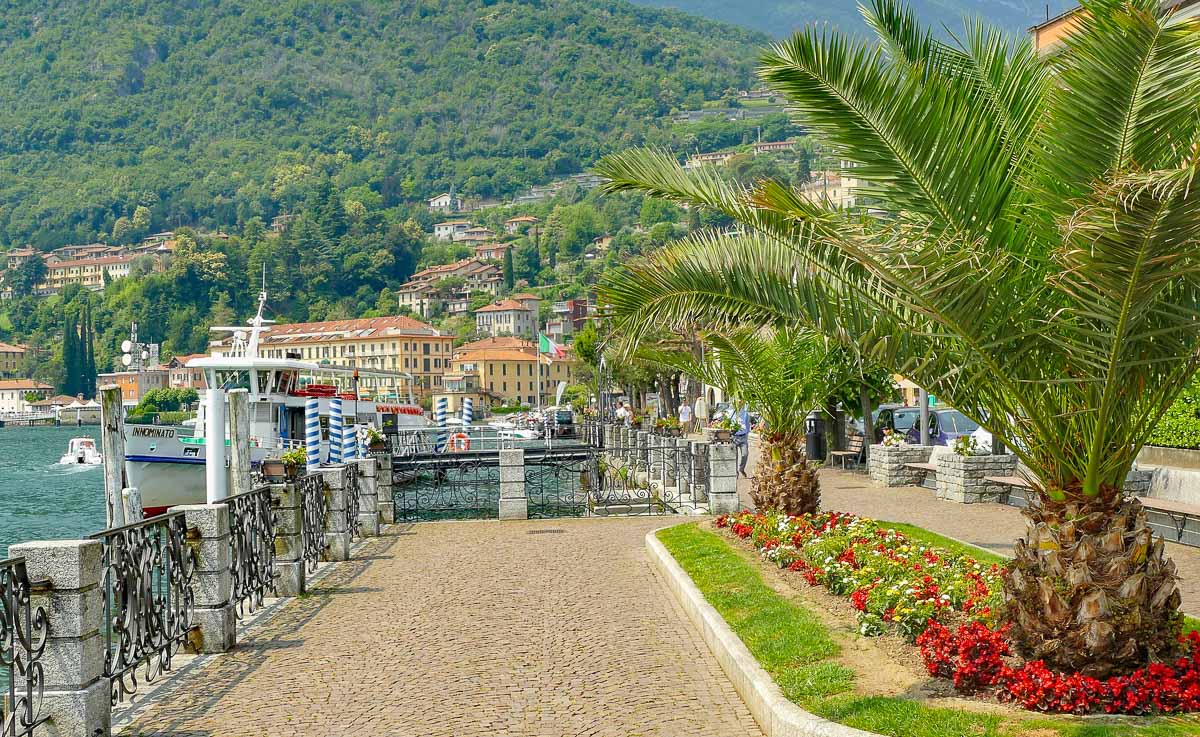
(233, 379)
(264, 381)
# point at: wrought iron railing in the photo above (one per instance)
(23, 632)
(148, 599)
(315, 507)
(353, 524)
(464, 486)
(561, 485)
(252, 539)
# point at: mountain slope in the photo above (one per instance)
(780, 17)
(214, 112)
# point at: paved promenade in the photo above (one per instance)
(554, 628)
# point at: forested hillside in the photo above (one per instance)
(781, 17)
(211, 113)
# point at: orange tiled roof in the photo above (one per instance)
(504, 305)
(29, 384)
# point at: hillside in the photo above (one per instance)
(780, 17)
(212, 113)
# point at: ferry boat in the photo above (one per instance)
(81, 452)
(166, 463)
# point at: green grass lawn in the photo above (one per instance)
(798, 651)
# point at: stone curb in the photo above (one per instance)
(776, 716)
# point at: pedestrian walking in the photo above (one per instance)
(741, 439)
(685, 417)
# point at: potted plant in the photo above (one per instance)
(668, 426)
(722, 430)
(891, 438)
(293, 461)
(966, 445)
(375, 440)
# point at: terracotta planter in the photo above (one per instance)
(378, 446)
(720, 436)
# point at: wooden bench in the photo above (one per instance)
(1008, 481)
(853, 451)
(929, 480)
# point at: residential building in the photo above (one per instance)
(479, 275)
(511, 375)
(506, 317)
(422, 298)
(14, 391)
(1048, 36)
(528, 301)
(279, 223)
(715, 158)
(837, 188)
(91, 273)
(52, 403)
(574, 312)
(18, 256)
(519, 223)
(182, 377)
(767, 147)
(476, 234)
(492, 251)
(559, 330)
(446, 202)
(451, 230)
(458, 386)
(505, 342)
(12, 358)
(395, 343)
(135, 384)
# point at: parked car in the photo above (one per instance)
(945, 423)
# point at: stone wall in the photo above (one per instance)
(962, 478)
(886, 464)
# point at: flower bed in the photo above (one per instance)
(947, 604)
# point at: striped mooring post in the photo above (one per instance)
(349, 443)
(468, 412)
(312, 433)
(335, 430)
(439, 416)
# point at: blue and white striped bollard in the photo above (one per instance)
(312, 433)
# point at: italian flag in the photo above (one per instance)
(550, 348)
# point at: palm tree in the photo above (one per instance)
(784, 373)
(1030, 255)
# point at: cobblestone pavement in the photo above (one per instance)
(988, 525)
(556, 627)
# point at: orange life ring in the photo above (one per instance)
(459, 442)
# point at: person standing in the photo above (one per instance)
(741, 438)
(622, 415)
(685, 417)
(701, 411)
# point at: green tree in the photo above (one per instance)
(141, 220)
(509, 278)
(122, 230)
(1041, 279)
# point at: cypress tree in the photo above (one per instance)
(89, 354)
(508, 267)
(71, 357)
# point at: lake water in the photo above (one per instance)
(41, 500)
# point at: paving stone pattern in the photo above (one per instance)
(556, 627)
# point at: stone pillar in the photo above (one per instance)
(682, 464)
(368, 497)
(289, 539)
(722, 478)
(642, 442)
(212, 584)
(699, 457)
(76, 698)
(887, 464)
(383, 483)
(656, 448)
(513, 502)
(963, 478)
(337, 531)
(610, 435)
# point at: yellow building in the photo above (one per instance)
(508, 375)
(12, 357)
(394, 343)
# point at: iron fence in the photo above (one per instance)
(456, 486)
(23, 632)
(561, 485)
(252, 539)
(149, 604)
(314, 504)
(660, 477)
(353, 524)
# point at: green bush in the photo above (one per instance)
(174, 418)
(509, 410)
(1180, 426)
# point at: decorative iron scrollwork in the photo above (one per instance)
(148, 598)
(561, 485)
(446, 487)
(353, 524)
(315, 507)
(23, 632)
(252, 539)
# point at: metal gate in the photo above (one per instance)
(446, 486)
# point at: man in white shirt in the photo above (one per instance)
(621, 413)
(685, 416)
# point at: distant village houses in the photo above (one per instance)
(446, 202)
(12, 359)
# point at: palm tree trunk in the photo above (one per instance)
(783, 480)
(1090, 589)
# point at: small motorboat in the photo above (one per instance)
(81, 452)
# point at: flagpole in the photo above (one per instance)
(538, 364)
